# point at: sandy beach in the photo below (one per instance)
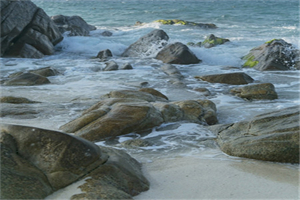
(202, 178)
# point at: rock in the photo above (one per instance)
(104, 54)
(26, 30)
(273, 136)
(46, 72)
(36, 162)
(192, 44)
(19, 178)
(238, 78)
(172, 71)
(75, 24)
(183, 22)
(106, 33)
(177, 53)
(147, 45)
(257, 91)
(212, 41)
(60, 158)
(204, 91)
(136, 143)
(15, 100)
(20, 111)
(27, 79)
(119, 178)
(272, 55)
(126, 111)
(153, 92)
(127, 66)
(111, 66)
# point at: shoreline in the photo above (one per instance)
(203, 178)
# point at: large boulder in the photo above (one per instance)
(75, 24)
(272, 136)
(272, 55)
(238, 78)
(187, 23)
(147, 45)
(257, 91)
(36, 162)
(26, 30)
(177, 53)
(125, 111)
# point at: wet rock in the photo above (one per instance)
(36, 162)
(126, 111)
(172, 71)
(203, 91)
(75, 24)
(126, 66)
(111, 66)
(104, 54)
(272, 55)
(238, 78)
(177, 53)
(147, 45)
(183, 22)
(153, 92)
(136, 143)
(19, 111)
(15, 100)
(46, 71)
(118, 178)
(19, 178)
(27, 79)
(60, 158)
(106, 33)
(26, 30)
(273, 136)
(192, 44)
(257, 91)
(212, 41)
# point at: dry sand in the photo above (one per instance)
(202, 178)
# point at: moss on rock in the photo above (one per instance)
(212, 41)
(250, 61)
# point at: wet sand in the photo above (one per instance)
(200, 178)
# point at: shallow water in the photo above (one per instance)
(81, 82)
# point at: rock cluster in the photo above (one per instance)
(187, 23)
(26, 30)
(125, 111)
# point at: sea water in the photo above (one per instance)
(247, 24)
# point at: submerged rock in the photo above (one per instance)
(183, 22)
(126, 66)
(75, 24)
(111, 66)
(177, 53)
(36, 162)
(125, 111)
(212, 41)
(27, 79)
(257, 91)
(26, 30)
(238, 78)
(15, 100)
(272, 55)
(147, 45)
(273, 136)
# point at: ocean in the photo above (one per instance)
(247, 24)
